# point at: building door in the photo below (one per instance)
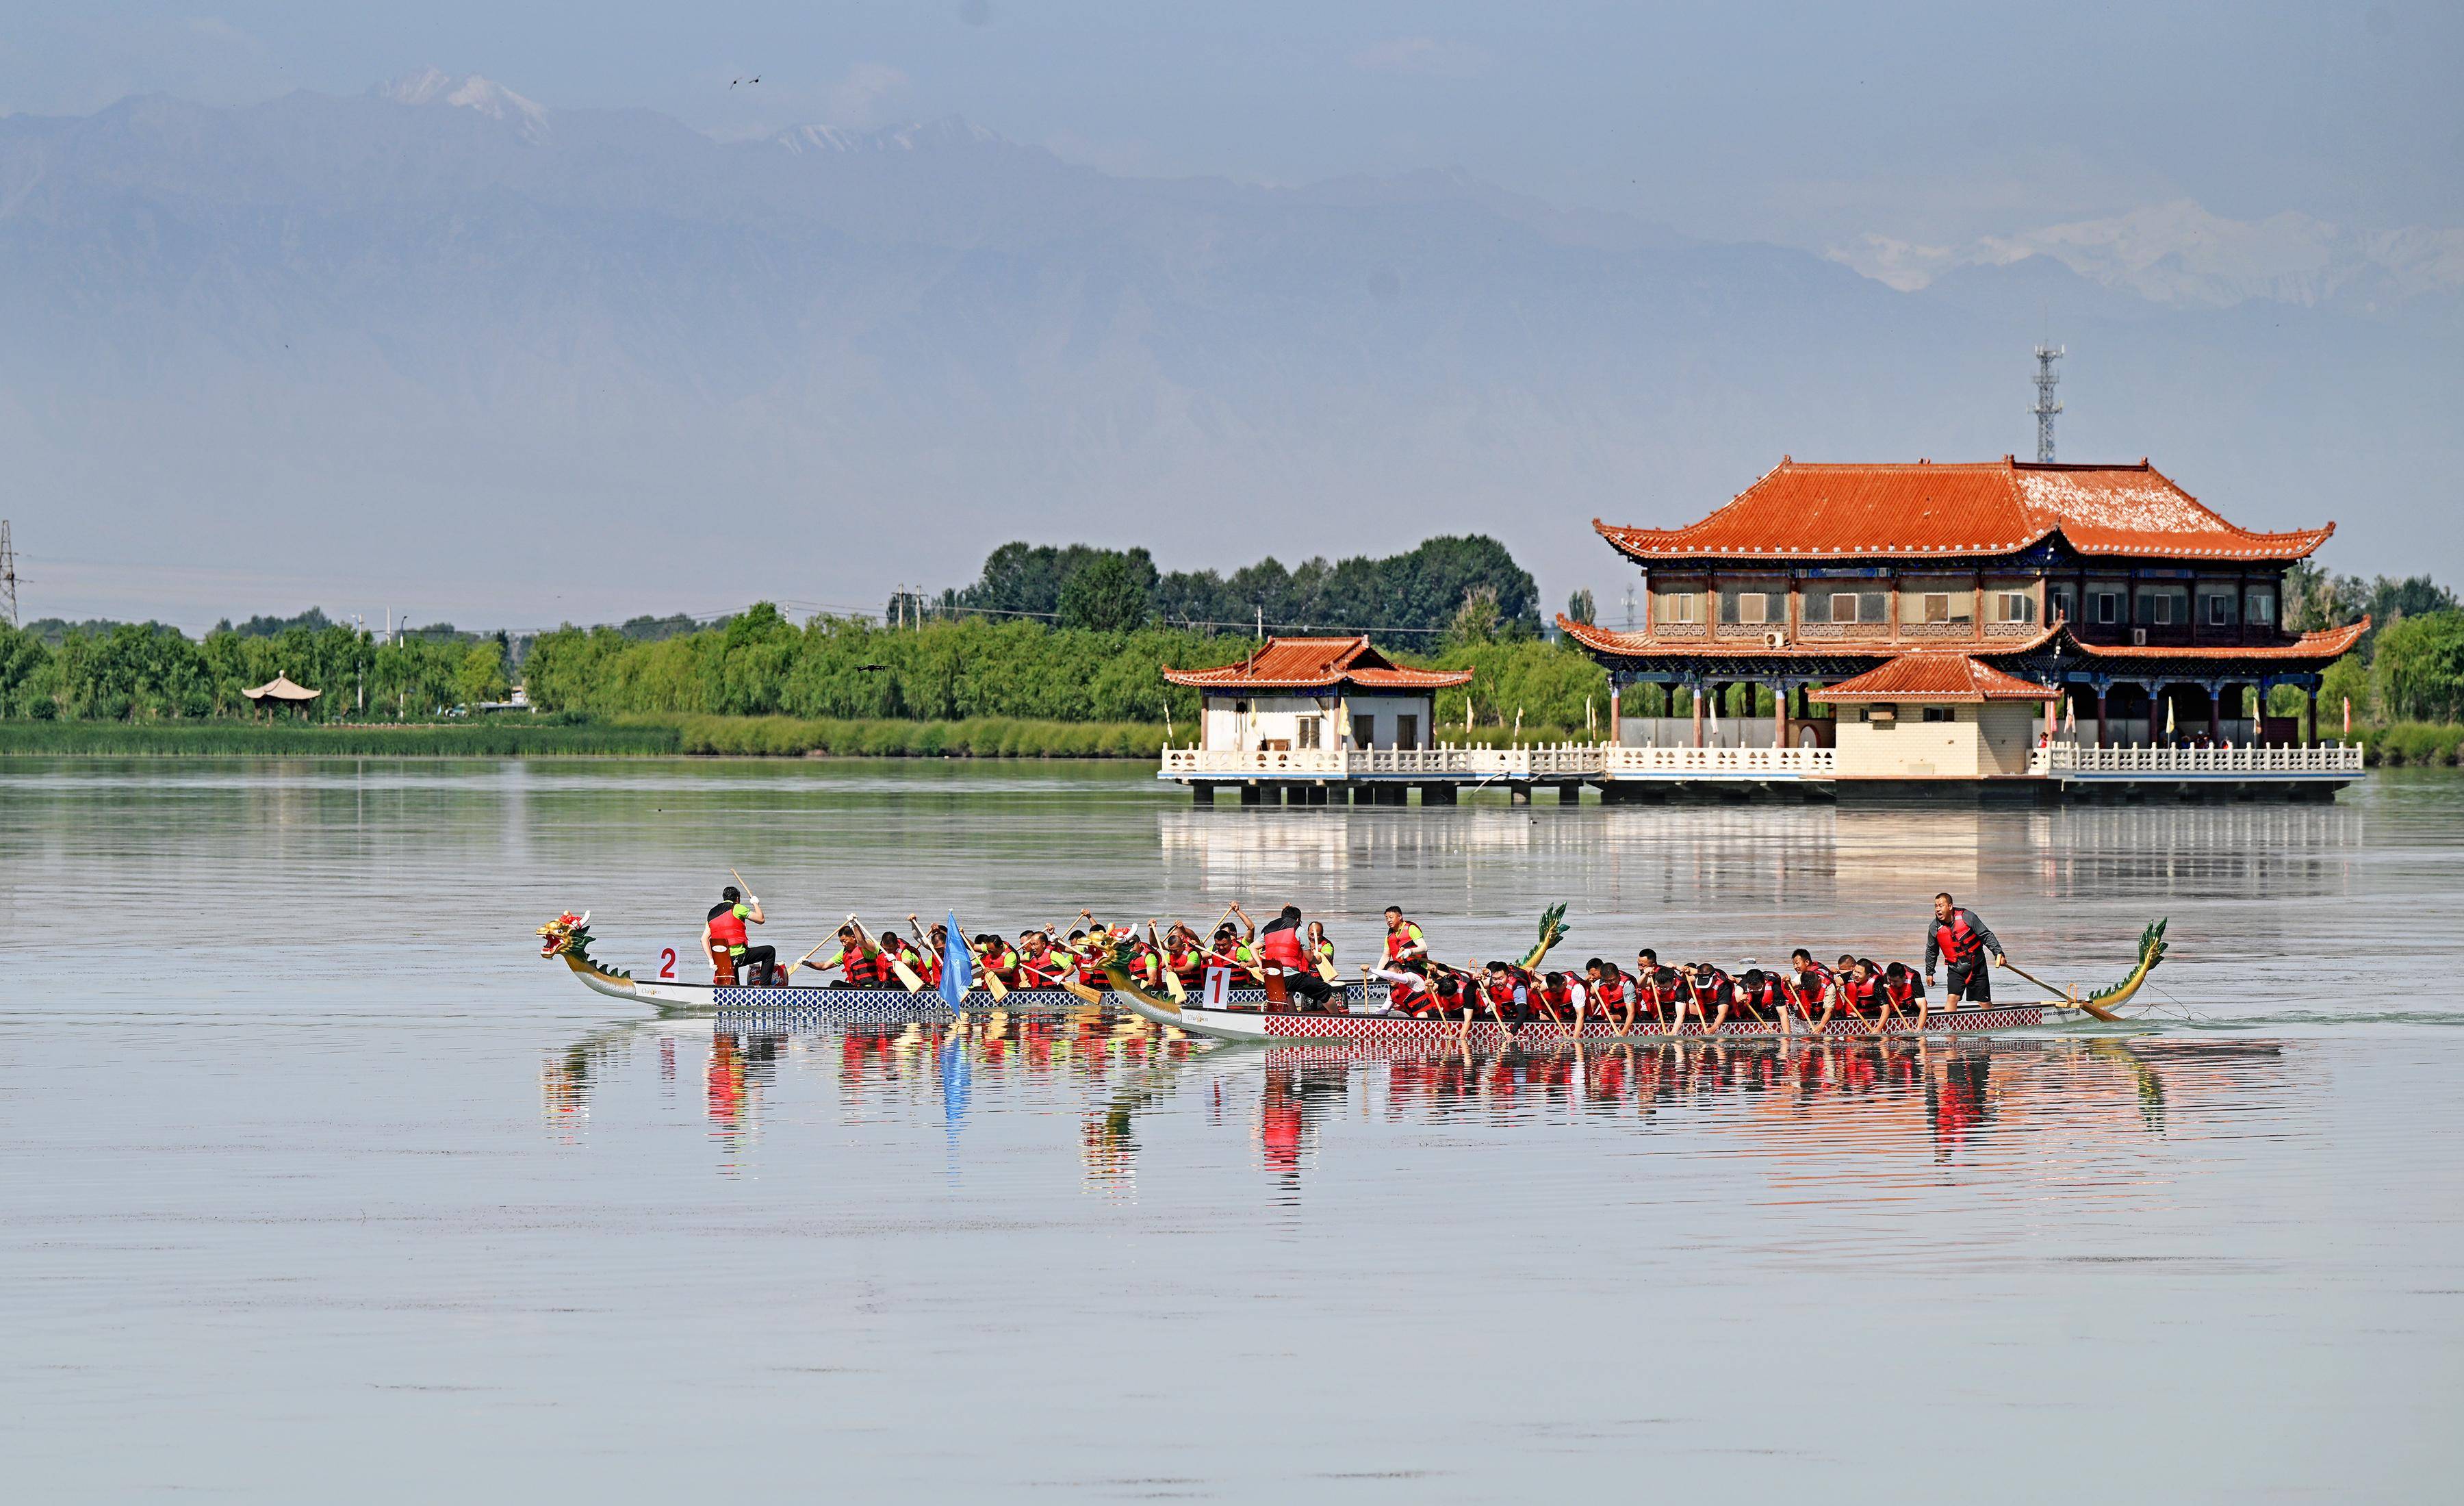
(1407, 732)
(1364, 732)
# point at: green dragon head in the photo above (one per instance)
(568, 936)
(2151, 951)
(1552, 930)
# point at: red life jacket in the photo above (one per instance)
(1185, 964)
(1866, 997)
(1038, 972)
(1609, 993)
(1721, 989)
(1280, 944)
(1403, 943)
(1766, 995)
(1500, 994)
(727, 927)
(1905, 993)
(1958, 941)
(1807, 987)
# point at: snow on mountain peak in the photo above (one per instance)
(436, 87)
(949, 130)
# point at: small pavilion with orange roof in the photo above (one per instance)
(1300, 703)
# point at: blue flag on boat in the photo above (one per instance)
(958, 965)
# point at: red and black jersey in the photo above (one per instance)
(1806, 987)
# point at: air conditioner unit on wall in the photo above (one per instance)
(1774, 640)
(2139, 638)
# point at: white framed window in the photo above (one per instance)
(2217, 610)
(1681, 607)
(1937, 607)
(2263, 606)
(2065, 603)
(1310, 731)
(2164, 607)
(2108, 608)
(1746, 607)
(2015, 607)
(1941, 713)
(1844, 606)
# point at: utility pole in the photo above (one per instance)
(7, 575)
(2046, 408)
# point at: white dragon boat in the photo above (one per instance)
(1366, 1023)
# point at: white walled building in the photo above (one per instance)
(1300, 694)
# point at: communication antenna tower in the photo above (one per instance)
(2046, 408)
(7, 575)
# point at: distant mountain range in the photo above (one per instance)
(439, 338)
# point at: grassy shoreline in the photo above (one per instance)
(630, 736)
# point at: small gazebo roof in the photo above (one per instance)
(1953, 677)
(1317, 664)
(281, 688)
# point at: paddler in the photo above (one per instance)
(1906, 991)
(1809, 985)
(725, 928)
(859, 961)
(1184, 954)
(1962, 940)
(1612, 991)
(1038, 965)
(999, 961)
(1230, 947)
(1711, 994)
(1280, 946)
(1404, 942)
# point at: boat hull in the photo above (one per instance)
(881, 1006)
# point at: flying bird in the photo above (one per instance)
(755, 78)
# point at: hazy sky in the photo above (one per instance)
(1806, 125)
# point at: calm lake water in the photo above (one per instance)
(319, 1185)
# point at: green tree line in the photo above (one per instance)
(145, 672)
(2410, 666)
(1415, 593)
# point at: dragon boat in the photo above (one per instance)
(568, 936)
(1366, 1022)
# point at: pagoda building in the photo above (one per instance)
(2131, 611)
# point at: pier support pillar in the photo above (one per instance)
(1437, 794)
(1518, 792)
(1201, 794)
(1252, 794)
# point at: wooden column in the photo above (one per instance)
(2215, 711)
(2314, 709)
(1697, 689)
(1779, 714)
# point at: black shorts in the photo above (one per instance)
(1969, 980)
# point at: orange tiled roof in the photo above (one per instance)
(1799, 511)
(1317, 664)
(1934, 677)
(1603, 640)
(2326, 644)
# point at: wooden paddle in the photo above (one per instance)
(807, 956)
(2070, 996)
(897, 964)
(1172, 984)
(993, 985)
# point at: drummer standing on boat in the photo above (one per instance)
(1961, 939)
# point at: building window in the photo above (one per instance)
(1940, 714)
(1937, 607)
(2108, 608)
(1681, 607)
(1310, 731)
(1857, 607)
(2218, 609)
(2015, 607)
(2263, 606)
(1364, 732)
(1751, 607)
(2164, 607)
(2065, 603)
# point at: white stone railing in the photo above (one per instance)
(1544, 761)
(1682, 762)
(2281, 761)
